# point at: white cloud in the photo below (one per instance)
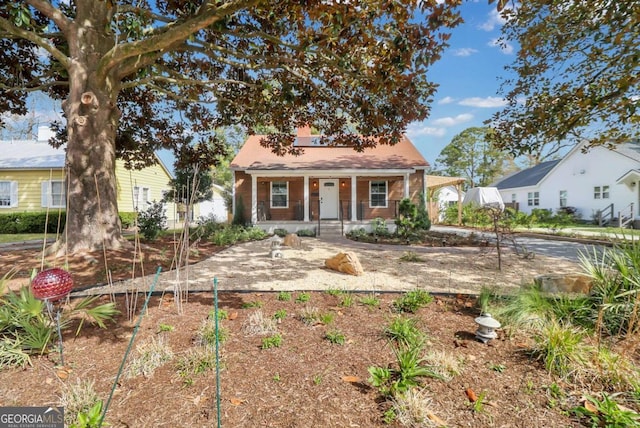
(451, 121)
(446, 100)
(488, 102)
(494, 20)
(464, 51)
(505, 47)
(426, 130)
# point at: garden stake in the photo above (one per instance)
(126, 353)
(59, 336)
(215, 309)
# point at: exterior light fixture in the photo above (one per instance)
(486, 327)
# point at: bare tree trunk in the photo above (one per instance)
(92, 121)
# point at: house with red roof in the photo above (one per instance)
(327, 187)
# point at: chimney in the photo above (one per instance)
(304, 131)
(44, 133)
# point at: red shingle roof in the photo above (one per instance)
(403, 155)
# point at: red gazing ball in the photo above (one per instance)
(52, 284)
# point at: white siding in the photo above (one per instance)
(578, 173)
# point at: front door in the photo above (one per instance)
(329, 199)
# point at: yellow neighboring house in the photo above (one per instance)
(32, 179)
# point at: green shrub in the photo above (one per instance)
(127, 219)
(152, 221)
(238, 217)
(310, 233)
(413, 300)
(379, 227)
(205, 228)
(280, 232)
(32, 222)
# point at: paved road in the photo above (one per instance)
(549, 247)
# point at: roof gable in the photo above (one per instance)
(403, 155)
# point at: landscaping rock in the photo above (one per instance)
(345, 262)
(292, 240)
(556, 283)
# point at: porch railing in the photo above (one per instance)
(605, 216)
(625, 216)
(295, 210)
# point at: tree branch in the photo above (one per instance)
(35, 39)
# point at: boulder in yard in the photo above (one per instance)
(345, 262)
(559, 283)
(292, 240)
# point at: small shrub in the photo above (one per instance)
(78, 398)
(412, 301)
(326, 318)
(152, 221)
(252, 304)
(195, 362)
(280, 232)
(258, 324)
(309, 315)
(273, 341)
(162, 328)
(347, 300)
(284, 296)
(303, 298)
(309, 233)
(150, 355)
(411, 256)
(607, 413)
(280, 314)
(444, 364)
(411, 409)
(403, 331)
(206, 334)
(561, 349)
(335, 336)
(370, 300)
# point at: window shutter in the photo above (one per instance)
(44, 195)
(14, 194)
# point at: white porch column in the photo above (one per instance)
(254, 199)
(406, 185)
(306, 198)
(354, 206)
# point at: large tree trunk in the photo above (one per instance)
(92, 121)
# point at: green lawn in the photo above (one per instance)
(19, 237)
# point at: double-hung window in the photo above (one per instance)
(378, 194)
(53, 194)
(140, 198)
(8, 194)
(279, 194)
(563, 198)
(533, 199)
(601, 192)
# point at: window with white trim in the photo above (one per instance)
(53, 194)
(8, 194)
(601, 192)
(140, 198)
(378, 194)
(533, 199)
(279, 194)
(514, 198)
(563, 198)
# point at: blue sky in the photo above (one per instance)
(468, 77)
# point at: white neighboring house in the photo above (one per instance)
(601, 179)
(448, 196)
(215, 206)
